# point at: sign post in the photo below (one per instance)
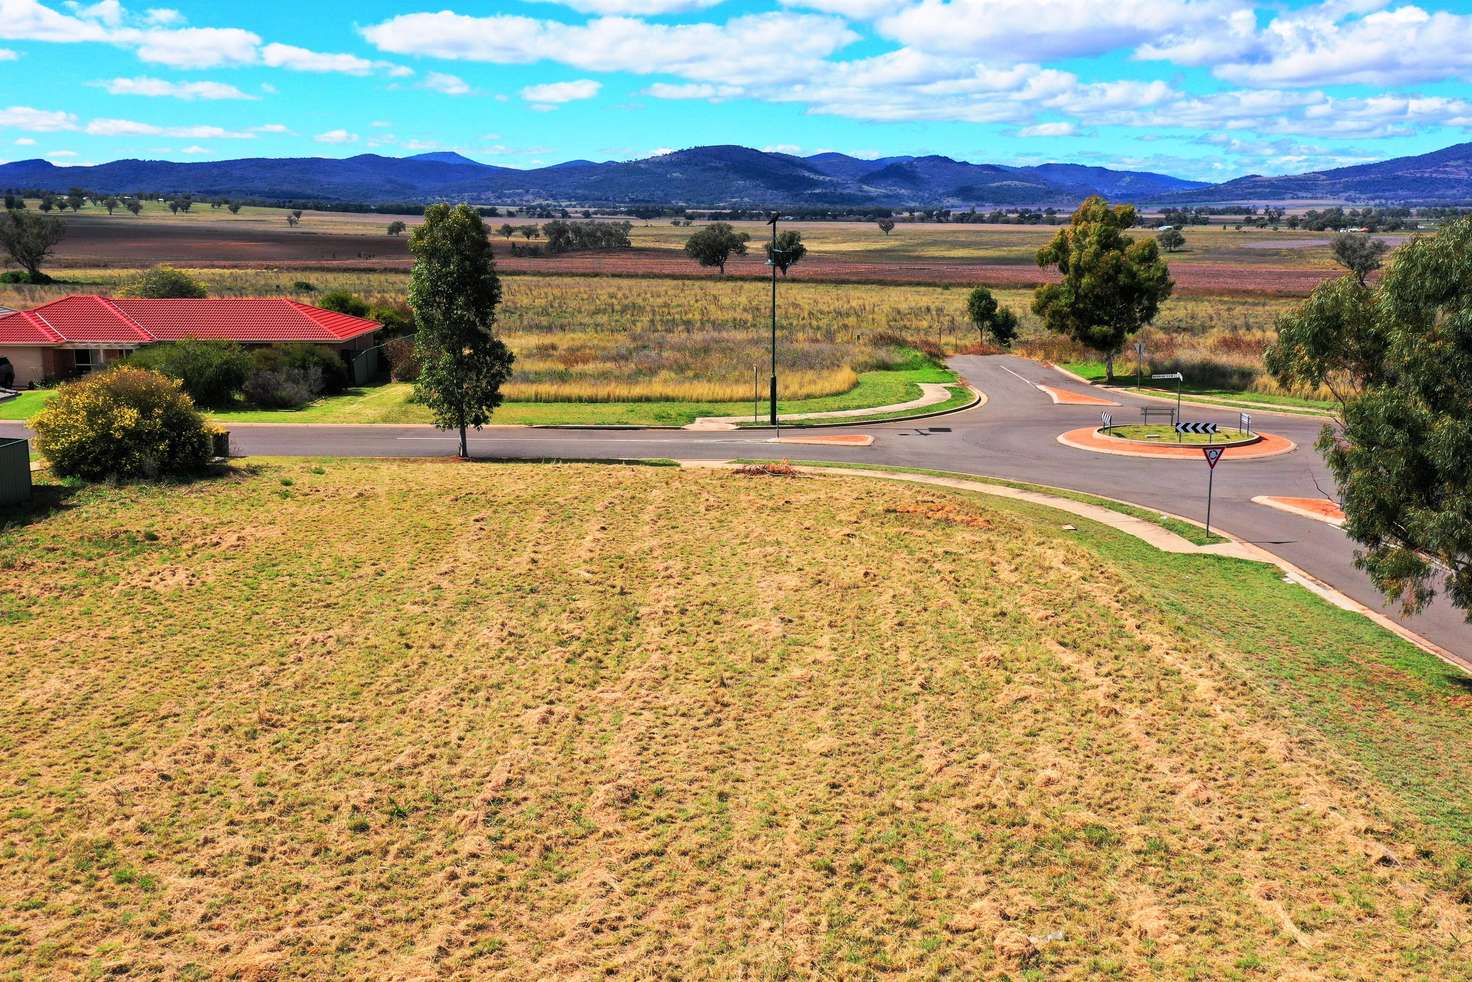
(1107, 420)
(1244, 423)
(1213, 454)
(1179, 379)
(1139, 362)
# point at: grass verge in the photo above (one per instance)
(521, 720)
(1093, 371)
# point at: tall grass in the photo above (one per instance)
(622, 339)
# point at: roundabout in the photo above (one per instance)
(1255, 447)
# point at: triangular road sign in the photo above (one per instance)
(1213, 454)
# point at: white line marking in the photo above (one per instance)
(1016, 376)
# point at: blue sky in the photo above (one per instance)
(1200, 88)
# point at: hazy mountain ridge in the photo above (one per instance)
(739, 177)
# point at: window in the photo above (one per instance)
(86, 359)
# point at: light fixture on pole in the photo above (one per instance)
(772, 262)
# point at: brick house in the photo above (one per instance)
(76, 335)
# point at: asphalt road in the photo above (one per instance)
(1013, 436)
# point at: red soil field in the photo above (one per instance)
(141, 244)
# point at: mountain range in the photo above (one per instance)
(734, 176)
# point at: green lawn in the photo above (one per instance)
(25, 405)
(1093, 371)
(390, 404)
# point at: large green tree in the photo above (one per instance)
(1112, 285)
(990, 317)
(28, 238)
(1399, 358)
(1358, 253)
(789, 251)
(715, 244)
(454, 292)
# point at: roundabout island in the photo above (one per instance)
(1157, 442)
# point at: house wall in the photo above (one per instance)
(28, 361)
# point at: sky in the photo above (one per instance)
(1204, 89)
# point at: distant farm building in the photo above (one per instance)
(76, 335)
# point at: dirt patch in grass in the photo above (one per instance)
(514, 721)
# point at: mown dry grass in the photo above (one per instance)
(512, 721)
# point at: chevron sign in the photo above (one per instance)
(1195, 427)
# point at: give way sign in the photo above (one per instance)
(1213, 454)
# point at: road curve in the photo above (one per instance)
(1014, 435)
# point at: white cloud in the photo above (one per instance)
(693, 90)
(303, 60)
(36, 120)
(61, 154)
(108, 12)
(1049, 129)
(555, 93)
(773, 46)
(852, 9)
(25, 141)
(447, 84)
(193, 47)
(1335, 43)
(27, 20)
(791, 149)
(1042, 29)
(636, 8)
(163, 17)
(157, 87)
(270, 128)
(381, 124)
(195, 150)
(7, 55)
(129, 127)
(336, 137)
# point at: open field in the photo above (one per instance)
(1217, 260)
(509, 721)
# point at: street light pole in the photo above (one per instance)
(772, 261)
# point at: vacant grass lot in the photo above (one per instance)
(512, 721)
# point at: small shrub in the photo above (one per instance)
(212, 371)
(164, 283)
(303, 286)
(21, 276)
(396, 317)
(403, 360)
(123, 424)
(344, 303)
(283, 388)
(332, 371)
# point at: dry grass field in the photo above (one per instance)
(522, 721)
(1218, 260)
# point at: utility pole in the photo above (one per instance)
(773, 263)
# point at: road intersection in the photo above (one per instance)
(1014, 435)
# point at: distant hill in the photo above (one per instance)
(1442, 176)
(715, 176)
(446, 157)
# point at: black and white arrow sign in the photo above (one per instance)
(1195, 427)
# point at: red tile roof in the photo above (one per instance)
(100, 320)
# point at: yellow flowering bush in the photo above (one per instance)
(122, 424)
